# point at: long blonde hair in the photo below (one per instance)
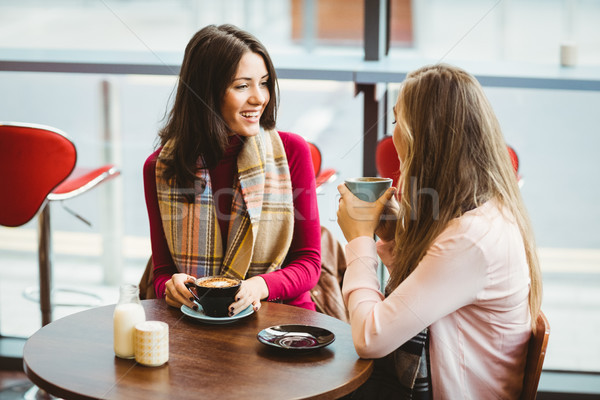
(455, 160)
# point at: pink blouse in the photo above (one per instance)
(302, 266)
(471, 289)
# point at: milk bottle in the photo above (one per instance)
(128, 312)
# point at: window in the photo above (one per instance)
(552, 130)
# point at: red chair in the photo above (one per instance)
(327, 293)
(37, 165)
(514, 158)
(322, 176)
(388, 165)
(386, 160)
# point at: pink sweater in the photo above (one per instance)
(471, 289)
(302, 266)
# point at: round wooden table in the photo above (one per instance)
(73, 358)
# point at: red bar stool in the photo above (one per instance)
(322, 175)
(38, 166)
(514, 158)
(386, 160)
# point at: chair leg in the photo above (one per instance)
(45, 264)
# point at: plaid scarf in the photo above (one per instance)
(262, 212)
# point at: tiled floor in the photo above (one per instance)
(13, 385)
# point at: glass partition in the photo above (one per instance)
(521, 31)
(553, 131)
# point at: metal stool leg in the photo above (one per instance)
(44, 295)
(45, 264)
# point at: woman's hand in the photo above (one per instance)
(251, 291)
(177, 294)
(360, 218)
(386, 230)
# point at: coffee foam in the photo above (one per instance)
(370, 179)
(216, 282)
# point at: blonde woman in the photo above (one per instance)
(465, 285)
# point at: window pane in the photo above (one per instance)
(492, 30)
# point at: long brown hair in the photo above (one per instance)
(455, 160)
(195, 124)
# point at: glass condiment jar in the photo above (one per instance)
(128, 312)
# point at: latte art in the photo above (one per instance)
(220, 282)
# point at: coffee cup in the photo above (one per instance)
(214, 293)
(368, 188)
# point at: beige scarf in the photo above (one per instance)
(262, 214)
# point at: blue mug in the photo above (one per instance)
(368, 188)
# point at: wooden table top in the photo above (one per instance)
(73, 358)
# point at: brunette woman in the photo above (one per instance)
(226, 193)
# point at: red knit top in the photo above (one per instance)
(302, 266)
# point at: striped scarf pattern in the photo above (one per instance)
(261, 221)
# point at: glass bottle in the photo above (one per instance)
(128, 312)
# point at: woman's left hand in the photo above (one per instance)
(251, 291)
(359, 218)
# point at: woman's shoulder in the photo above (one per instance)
(292, 140)
(152, 157)
(150, 163)
(478, 219)
(296, 148)
(484, 228)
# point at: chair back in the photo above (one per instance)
(34, 159)
(315, 155)
(536, 353)
(322, 176)
(514, 158)
(386, 160)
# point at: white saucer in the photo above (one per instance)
(215, 320)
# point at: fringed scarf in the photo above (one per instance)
(261, 221)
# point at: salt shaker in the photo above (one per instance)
(128, 312)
